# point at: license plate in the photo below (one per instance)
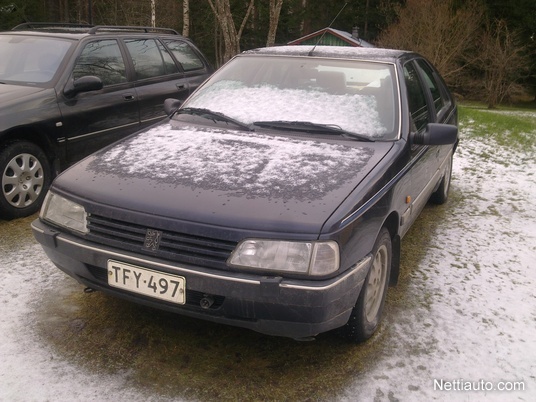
(147, 282)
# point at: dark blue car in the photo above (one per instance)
(274, 198)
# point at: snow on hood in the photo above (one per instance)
(236, 163)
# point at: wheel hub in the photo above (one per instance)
(376, 283)
(22, 180)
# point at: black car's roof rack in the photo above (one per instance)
(90, 29)
(111, 28)
(50, 26)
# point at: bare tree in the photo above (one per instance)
(224, 16)
(438, 30)
(153, 13)
(367, 7)
(275, 11)
(503, 60)
(186, 17)
(303, 26)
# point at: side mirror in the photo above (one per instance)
(171, 106)
(82, 84)
(437, 134)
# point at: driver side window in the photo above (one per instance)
(418, 107)
(101, 58)
(439, 97)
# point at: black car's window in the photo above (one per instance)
(169, 64)
(438, 95)
(30, 60)
(103, 59)
(418, 107)
(185, 55)
(147, 58)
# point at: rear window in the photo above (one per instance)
(185, 55)
(150, 58)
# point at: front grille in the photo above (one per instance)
(174, 246)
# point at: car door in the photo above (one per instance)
(421, 156)
(157, 77)
(196, 68)
(93, 119)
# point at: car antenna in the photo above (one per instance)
(319, 39)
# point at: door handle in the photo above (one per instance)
(181, 86)
(128, 97)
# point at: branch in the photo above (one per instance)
(250, 7)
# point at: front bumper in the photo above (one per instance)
(268, 304)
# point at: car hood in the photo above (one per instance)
(12, 93)
(231, 179)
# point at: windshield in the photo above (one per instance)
(355, 96)
(30, 60)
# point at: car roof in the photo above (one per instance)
(47, 34)
(339, 52)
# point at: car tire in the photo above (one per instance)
(26, 176)
(366, 315)
(441, 195)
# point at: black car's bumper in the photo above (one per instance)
(267, 304)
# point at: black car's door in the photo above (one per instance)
(93, 119)
(160, 76)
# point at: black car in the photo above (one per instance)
(68, 90)
(273, 199)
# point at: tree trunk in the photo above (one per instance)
(303, 25)
(231, 37)
(186, 17)
(365, 24)
(153, 13)
(275, 11)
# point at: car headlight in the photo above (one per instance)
(63, 212)
(312, 258)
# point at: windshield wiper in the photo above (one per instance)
(309, 127)
(215, 116)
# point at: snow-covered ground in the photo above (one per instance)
(476, 327)
(472, 328)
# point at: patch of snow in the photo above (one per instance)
(237, 162)
(352, 112)
(29, 370)
(475, 324)
(349, 52)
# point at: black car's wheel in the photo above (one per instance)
(441, 194)
(25, 178)
(367, 312)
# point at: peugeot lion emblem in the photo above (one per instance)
(152, 239)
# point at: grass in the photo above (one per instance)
(181, 357)
(509, 127)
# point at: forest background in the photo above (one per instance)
(485, 49)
